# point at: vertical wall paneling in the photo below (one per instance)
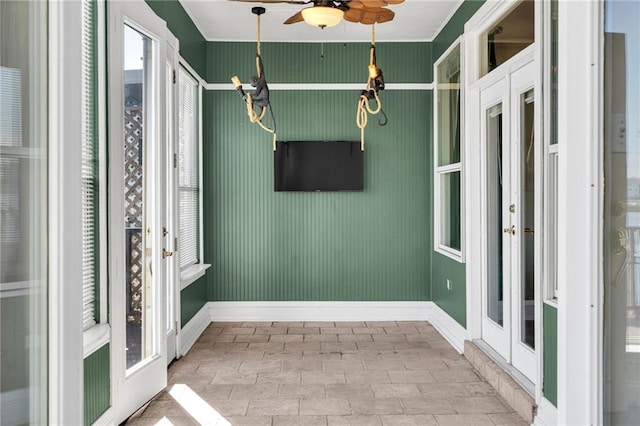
(319, 62)
(371, 246)
(97, 391)
(550, 353)
(192, 299)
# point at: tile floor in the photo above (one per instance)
(324, 373)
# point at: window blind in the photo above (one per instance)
(89, 166)
(189, 179)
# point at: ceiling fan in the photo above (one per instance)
(327, 13)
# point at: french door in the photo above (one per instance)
(511, 205)
(137, 205)
(170, 229)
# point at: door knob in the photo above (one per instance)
(511, 230)
(166, 253)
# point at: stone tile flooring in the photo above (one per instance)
(324, 373)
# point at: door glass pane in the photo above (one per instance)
(23, 213)
(137, 78)
(527, 325)
(449, 109)
(511, 35)
(622, 214)
(495, 208)
(450, 210)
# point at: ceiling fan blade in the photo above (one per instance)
(295, 18)
(355, 4)
(369, 16)
(395, 1)
(353, 15)
(373, 3)
(385, 15)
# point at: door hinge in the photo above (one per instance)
(176, 327)
(175, 244)
(174, 76)
(175, 160)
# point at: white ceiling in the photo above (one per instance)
(223, 20)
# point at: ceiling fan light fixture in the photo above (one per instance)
(322, 16)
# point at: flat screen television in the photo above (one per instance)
(318, 166)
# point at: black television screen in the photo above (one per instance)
(318, 166)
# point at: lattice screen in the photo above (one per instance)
(133, 208)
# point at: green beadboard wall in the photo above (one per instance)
(319, 62)
(371, 245)
(97, 386)
(550, 353)
(453, 301)
(192, 43)
(192, 299)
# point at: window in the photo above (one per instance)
(448, 165)
(188, 169)
(25, 282)
(89, 168)
(551, 149)
(513, 34)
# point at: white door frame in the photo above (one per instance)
(475, 195)
(131, 391)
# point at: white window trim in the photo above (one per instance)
(191, 273)
(549, 291)
(65, 267)
(100, 334)
(439, 171)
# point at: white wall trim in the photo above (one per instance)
(547, 413)
(319, 311)
(64, 235)
(14, 406)
(192, 273)
(321, 86)
(106, 419)
(448, 327)
(580, 186)
(95, 337)
(194, 328)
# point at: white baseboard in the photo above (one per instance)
(193, 329)
(107, 418)
(547, 413)
(14, 405)
(448, 327)
(319, 311)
